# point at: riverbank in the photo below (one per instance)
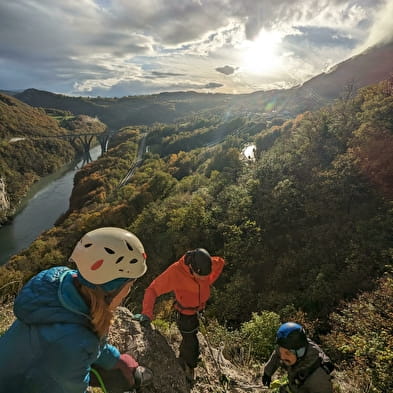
(45, 202)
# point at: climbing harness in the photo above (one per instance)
(303, 374)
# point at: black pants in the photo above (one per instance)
(189, 347)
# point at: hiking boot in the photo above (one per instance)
(188, 371)
(143, 376)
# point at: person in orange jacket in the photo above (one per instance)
(190, 279)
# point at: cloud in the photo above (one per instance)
(382, 30)
(227, 70)
(141, 87)
(319, 36)
(171, 22)
(122, 46)
(213, 85)
(158, 74)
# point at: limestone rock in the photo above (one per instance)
(151, 350)
(4, 201)
(214, 372)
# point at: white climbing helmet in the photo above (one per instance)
(109, 253)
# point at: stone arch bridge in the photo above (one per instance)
(85, 140)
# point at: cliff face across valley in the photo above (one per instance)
(4, 201)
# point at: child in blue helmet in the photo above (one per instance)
(63, 317)
(308, 367)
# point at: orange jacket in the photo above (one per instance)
(191, 293)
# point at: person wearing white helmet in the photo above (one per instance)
(63, 317)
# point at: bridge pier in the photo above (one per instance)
(86, 148)
(104, 141)
(85, 141)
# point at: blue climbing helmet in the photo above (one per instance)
(292, 336)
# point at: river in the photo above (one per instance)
(45, 202)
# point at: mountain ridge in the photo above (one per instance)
(368, 67)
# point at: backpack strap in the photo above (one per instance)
(303, 374)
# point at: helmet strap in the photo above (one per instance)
(112, 294)
(189, 257)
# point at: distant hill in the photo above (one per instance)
(10, 92)
(131, 110)
(369, 67)
(21, 120)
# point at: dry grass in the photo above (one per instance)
(6, 317)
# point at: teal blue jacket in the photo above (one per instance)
(50, 347)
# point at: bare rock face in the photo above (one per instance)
(151, 349)
(4, 202)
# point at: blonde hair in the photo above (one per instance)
(100, 313)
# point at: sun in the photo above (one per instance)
(261, 55)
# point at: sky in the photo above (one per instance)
(116, 48)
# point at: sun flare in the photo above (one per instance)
(261, 55)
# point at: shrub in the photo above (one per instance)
(260, 333)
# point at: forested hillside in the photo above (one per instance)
(29, 148)
(24, 158)
(304, 228)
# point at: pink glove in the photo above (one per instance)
(127, 365)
